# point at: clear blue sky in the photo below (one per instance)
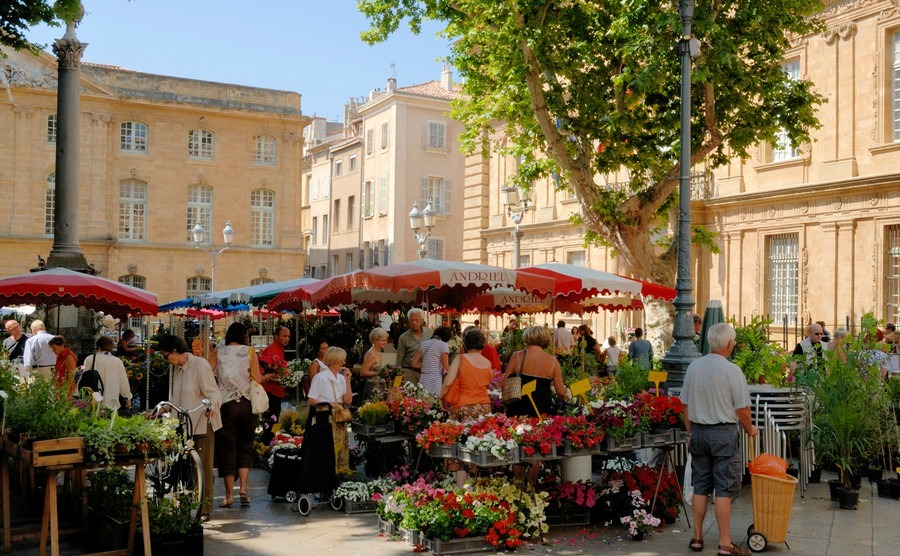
(311, 47)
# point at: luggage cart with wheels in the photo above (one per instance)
(316, 478)
(772, 501)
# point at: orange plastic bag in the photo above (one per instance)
(767, 464)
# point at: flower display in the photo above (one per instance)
(291, 376)
(374, 413)
(535, 436)
(454, 344)
(620, 419)
(440, 433)
(565, 498)
(283, 443)
(579, 431)
(416, 412)
(363, 491)
(663, 411)
(389, 372)
(491, 433)
(640, 522)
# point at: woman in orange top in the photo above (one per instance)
(65, 364)
(474, 373)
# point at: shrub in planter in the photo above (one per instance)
(40, 411)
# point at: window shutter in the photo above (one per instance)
(425, 193)
(445, 194)
(382, 195)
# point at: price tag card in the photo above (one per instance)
(529, 387)
(398, 380)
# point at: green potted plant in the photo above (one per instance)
(174, 528)
(39, 411)
(109, 494)
(762, 362)
(841, 393)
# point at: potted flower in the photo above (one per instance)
(538, 439)
(296, 368)
(373, 418)
(579, 432)
(173, 526)
(440, 438)
(570, 503)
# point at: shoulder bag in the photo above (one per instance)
(339, 414)
(451, 396)
(512, 386)
(259, 400)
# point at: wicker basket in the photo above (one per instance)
(772, 501)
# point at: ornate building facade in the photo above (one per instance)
(159, 154)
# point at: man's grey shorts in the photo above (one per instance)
(716, 459)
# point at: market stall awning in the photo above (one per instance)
(576, 283)
(61, 286)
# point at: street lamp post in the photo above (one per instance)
(200, 235)
(683, 351)
(516, 207)
(416, 219)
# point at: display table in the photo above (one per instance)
(67, 455)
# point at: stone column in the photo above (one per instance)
(66, 251)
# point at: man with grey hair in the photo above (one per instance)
(408, 344)
(716, 400)
(809, 350)
(38, 356)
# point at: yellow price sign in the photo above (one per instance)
(581, 388)
(527, 390)
(398, 380)
(656, 377)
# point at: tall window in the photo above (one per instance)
(782, 277)
(349, 263)
(198, 285)
(351, 212)
(51, 129)
(262, 218)
(574, 258)
(314, 189)
(338, 167)
(133, 137)
(265, 150)
(436, 135)
(436, 249)
(369, 199)
(382, 246)
(132, 209)
(382, 195)
(384, 135)
(352, 162)
(314, 238)
(895, 81)
(324, 228)
(134, 281)
(50, 204)
(199, 210)
(370, 140)
(783, 149)
(200, 144)
(337, 215)
(524, 260)
(892, 275)
(438, 190)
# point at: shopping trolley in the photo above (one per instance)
(772, 501)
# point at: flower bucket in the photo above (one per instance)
(442, 450)
(628, 444)
(364, 429)
(569, 450)
(487, 459)
(412, 536)
(387, 527)
(538, 456)
(569, 518)
(355, 507)
(471, 545)
(658, 439)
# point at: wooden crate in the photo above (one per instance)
(46, 453)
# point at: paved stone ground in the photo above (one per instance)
(269, 528)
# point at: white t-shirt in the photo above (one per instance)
(320, 389)
(112, 373)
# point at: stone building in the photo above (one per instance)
(158, 155)
(806, 233)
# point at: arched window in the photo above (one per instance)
(134, 281)
(132, 209)
(199, 208)
(133, 137)
(200, 144)
(265, 150)
(262, 218)
(50, 204)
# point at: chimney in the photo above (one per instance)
(392, 84)
(447, 78)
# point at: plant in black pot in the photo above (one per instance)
(174, 528)
(841, 392)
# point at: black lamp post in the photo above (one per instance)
(683, 351)
(199, 236)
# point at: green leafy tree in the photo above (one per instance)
(17, 16)
(590, 92)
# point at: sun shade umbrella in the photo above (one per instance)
(500, 301)
(714, 314)
(61, 286)
(251, 295)
(575, 283)
(434, 283)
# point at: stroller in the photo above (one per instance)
(315, 472)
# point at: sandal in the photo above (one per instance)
(245, 500)
(696, 545)
(224, 504)
(733, 549)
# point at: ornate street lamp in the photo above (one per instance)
(199, 235)
(416, 219)
(516, 208)
(683, 351)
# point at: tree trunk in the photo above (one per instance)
(659, 316)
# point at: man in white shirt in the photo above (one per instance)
(112, 373)
(38, 356)
(563, 341)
